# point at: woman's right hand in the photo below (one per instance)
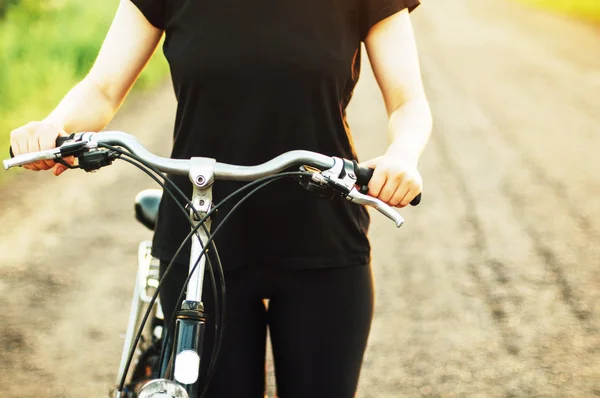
(35, 137)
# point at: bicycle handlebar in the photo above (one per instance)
(59, 141)
(223, 171)
(79, 143)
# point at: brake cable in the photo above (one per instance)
(264, 181)
(155, 295)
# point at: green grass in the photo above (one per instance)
(46, 47)
(585, 9)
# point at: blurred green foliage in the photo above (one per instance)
(4, 4)
(46, 47)
(584, 9)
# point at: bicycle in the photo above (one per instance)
(169, 367)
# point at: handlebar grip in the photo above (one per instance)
(364, 174)
(59, 141)
(416, 200)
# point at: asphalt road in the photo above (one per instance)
(492, 287)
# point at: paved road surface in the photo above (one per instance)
(491, 289)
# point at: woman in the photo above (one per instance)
(254, 79)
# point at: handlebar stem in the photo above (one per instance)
(202, 174)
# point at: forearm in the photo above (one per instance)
(84, 108)
(409, 129)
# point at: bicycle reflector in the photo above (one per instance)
(162, 388)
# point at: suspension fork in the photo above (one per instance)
(191, 320)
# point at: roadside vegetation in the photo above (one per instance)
(46, 47)
(588, 10)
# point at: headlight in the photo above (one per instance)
(162, 388)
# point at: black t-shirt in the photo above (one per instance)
(254, 79)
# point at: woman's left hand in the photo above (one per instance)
(394, 182)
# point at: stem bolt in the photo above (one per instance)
(200, 180)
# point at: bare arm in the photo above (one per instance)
(93, 102)
(393, 55)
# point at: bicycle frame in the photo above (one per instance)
(147, 276)
(191, 322)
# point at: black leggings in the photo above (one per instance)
(319, 322)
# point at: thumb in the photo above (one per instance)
(70, 160)
(58, 169)
(371, 163)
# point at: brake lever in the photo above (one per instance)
(356, 197)
(341, 177)
(27, 158)
(68, 148)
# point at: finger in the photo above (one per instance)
(17, 151)
(14, 143)
(399, 194)
(47, 141)
(19, 145)
(377, 182)
(388, 190)
(20, 148)
(410, 195)
(33, 146)
(32, 166)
